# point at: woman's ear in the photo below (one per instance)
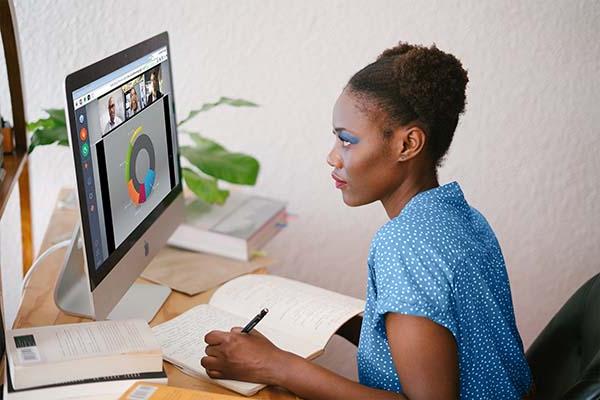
(410, 142)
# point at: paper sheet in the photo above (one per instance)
(192, 273)
(182, 341)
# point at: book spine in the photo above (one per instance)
(112, 378)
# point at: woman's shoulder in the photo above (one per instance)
(395, 229)
(438, 229)
(404, 237)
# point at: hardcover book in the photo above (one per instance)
(237, 229)
(108, 387)
(56, 354)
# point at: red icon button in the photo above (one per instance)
(83, 134)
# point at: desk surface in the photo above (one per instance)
(38, 306)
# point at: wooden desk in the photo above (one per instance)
(38, 306)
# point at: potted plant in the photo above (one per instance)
(209, 161)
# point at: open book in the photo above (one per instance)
(301, 319)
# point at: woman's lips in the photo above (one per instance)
(339, 183)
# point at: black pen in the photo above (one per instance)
(255, 320)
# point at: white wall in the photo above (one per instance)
(525, 152)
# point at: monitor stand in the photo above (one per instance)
(72, 294)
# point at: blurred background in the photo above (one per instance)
(525, 152)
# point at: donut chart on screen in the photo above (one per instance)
(139, 188)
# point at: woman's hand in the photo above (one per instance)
(252, 357)
(241, 356)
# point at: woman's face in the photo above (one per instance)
(154, 80)
(134, 104)
(365, 168)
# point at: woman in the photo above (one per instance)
(155, 92)
(439, 320)
(133, 99)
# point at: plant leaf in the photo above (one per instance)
(42, 123)
(204, 144)
(49, 130)
(57, 114)
(231, 167)
(222, 100)
(43, 136)
(206, 189)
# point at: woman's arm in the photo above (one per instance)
(425, 356)
(311, 381)
(423, 352)
(252, 357)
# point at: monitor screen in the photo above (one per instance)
(124, 139)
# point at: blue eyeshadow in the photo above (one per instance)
(348, 137)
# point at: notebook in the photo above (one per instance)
(301, 319)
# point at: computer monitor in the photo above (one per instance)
(123, 134)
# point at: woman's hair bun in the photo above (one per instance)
(413, 82)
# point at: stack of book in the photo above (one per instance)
(238, 229)
(81, 360)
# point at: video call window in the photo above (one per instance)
(135, 96)
(112, 111)
(153, 79)
(123, 103)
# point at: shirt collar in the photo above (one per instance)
(448, 192)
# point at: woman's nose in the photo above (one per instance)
(334, 160)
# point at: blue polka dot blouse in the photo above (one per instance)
(440, 259)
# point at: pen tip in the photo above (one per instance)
(265, 310)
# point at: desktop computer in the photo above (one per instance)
(123, 134)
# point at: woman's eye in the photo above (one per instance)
(345, 137)
(345, 143)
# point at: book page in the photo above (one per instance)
(308, 311)
(182, 341)
(76, 341)
(191, 273)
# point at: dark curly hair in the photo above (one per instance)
(412, 83)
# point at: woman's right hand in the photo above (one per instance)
(249, 357)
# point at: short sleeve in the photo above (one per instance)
(411, 279)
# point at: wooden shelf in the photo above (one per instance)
(13, 164)
(17, 170)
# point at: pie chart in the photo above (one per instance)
(139, 187)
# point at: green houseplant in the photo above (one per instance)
(210, 162)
